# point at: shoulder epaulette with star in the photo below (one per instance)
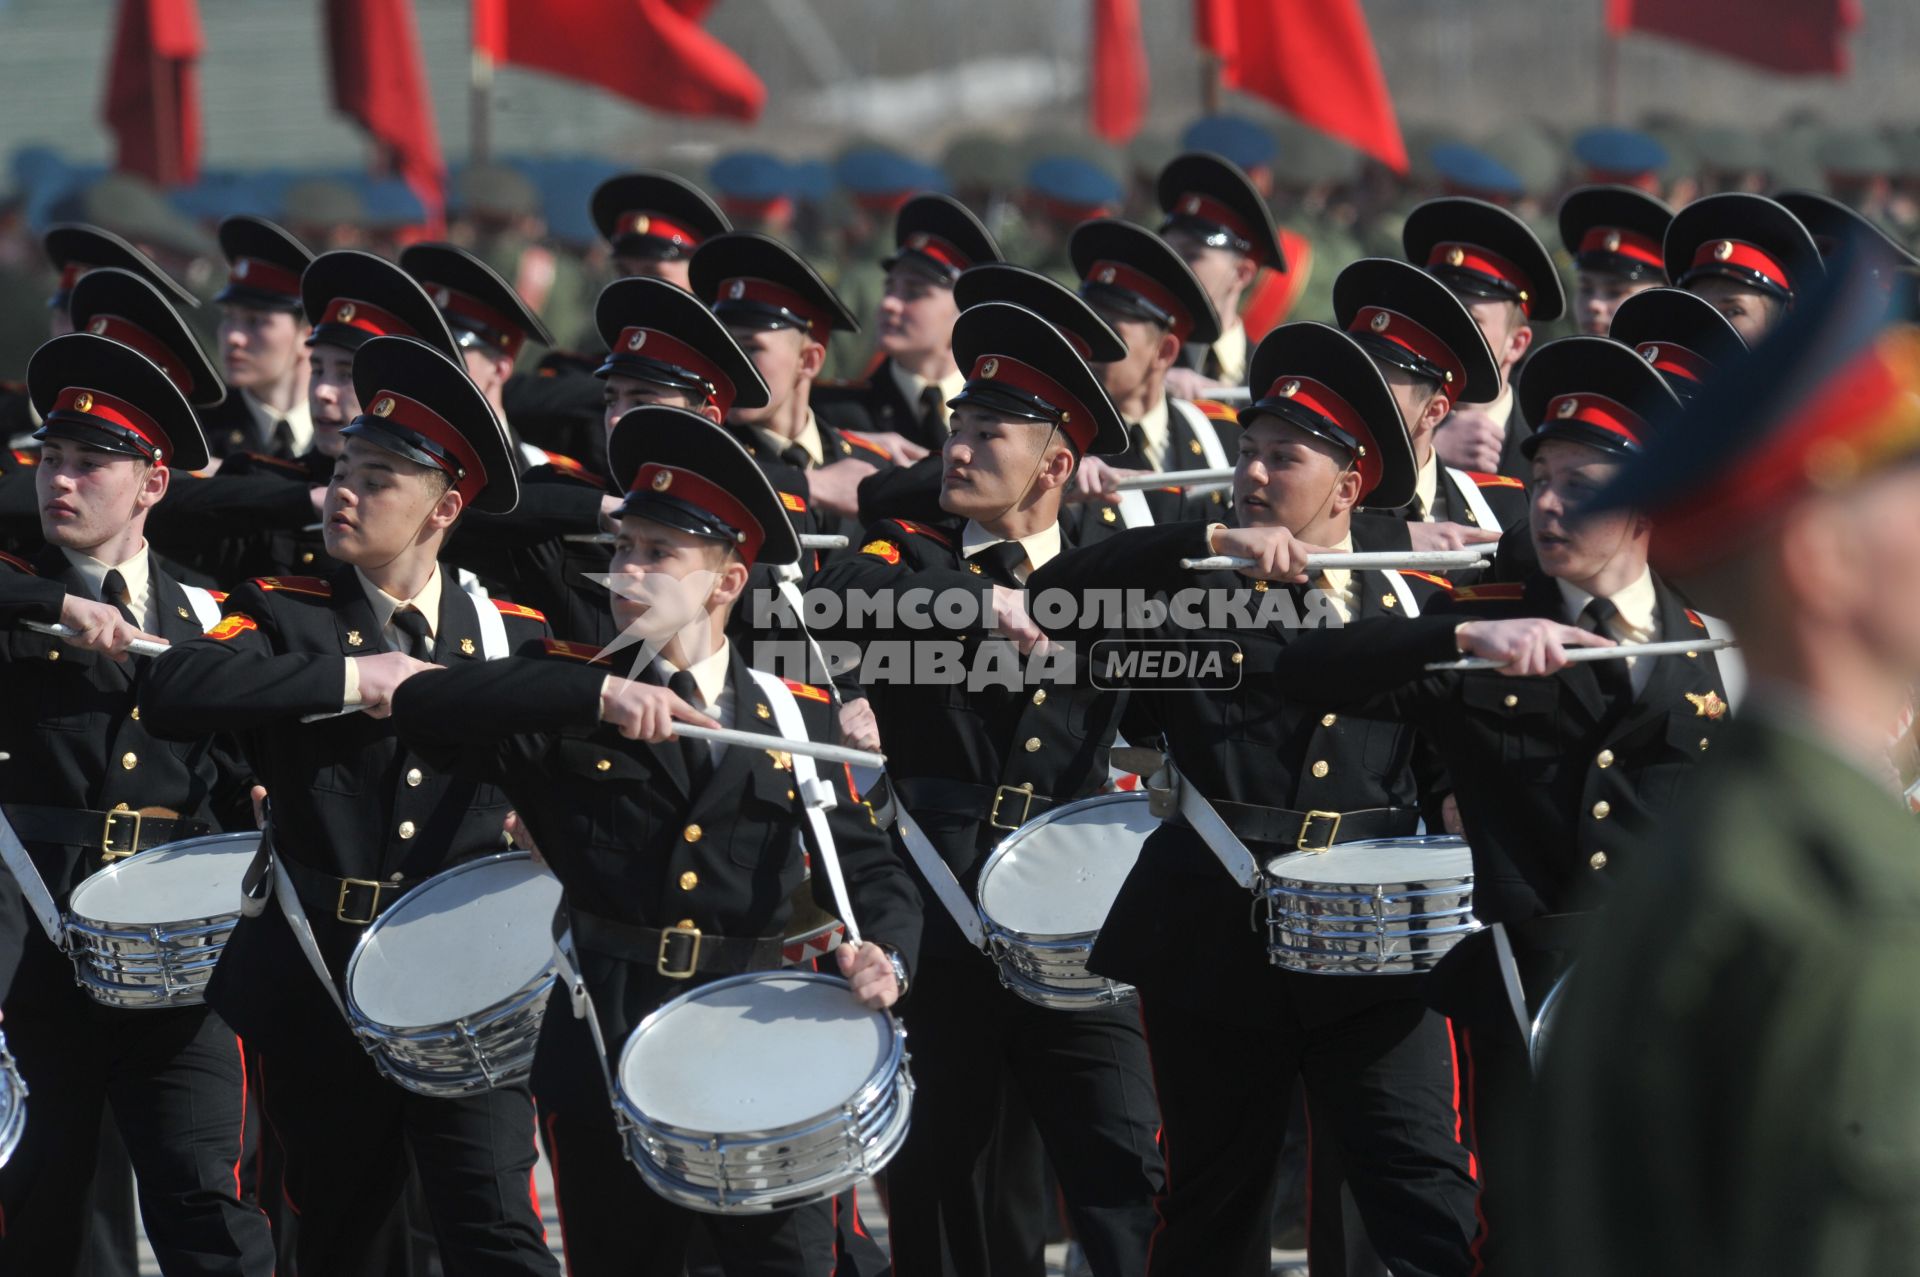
(17, 564)
(318, 587)
(1214, 410)
(573, 651)
(806, 691)
(795, 504)
(1695, 618)
(518, 609)
(1497, 592)
(922, 530)
(1440, 581)
(1492, 480)
(855, 441)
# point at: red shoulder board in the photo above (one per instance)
(26, 457)
(573, 651)
(518, 609)
(231, 624)
(1493, 480)
(1695, 618)
(868, 444)
(284, 463)
(13, 561)
(1440, 581)
(218, 596)
(1496, 593)
(1214, 410)
(882, 549)
(807, 691)
(567, 465)
(921, 529)
(797, 505)
(313, 585)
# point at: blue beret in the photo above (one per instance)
(1470, 169)
(1071, 180)
(750, 175)
(1625, 152)
(1246, 142)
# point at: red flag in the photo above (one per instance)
(654, 52)
(1795, 36)
(1119, 74)
(153, 90)
(380, 80)
(1312, 58)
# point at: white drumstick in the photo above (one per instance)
(1173, 479)
(1397, 560)
(1582, 654)
(754, 740)
(808, 540)
(139, 647)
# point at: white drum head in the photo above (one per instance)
(1382, 862)
(179, 882)
(1058, 874)
(458, 943)
(754, 1054)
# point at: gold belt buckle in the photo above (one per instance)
(693, 959)
(108, 851)
(373, 906)
(1023, 792)
(1301, 843)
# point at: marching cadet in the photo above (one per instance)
(1744, 253)
(590, 760)
(87, 783)
(1500, 271)
(1324, 435)
(1007, 751)
(653, 221)
(1614, 234)
(262, 336)
(1560, 781)
(1728, 1086)
(75, 248)
(1685, 339)
(357, 819)
(936, 239)
(1223, 230)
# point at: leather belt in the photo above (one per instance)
(1000, 806)
(678, 952)
(114, 834)
(1311, 830)
(357, 902)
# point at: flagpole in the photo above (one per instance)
(1210, 76)
(1609, 75)
(480, 107)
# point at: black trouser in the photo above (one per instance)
(1381, 1078)
(1084, 1077)
(349, 1136)
(174, 1082)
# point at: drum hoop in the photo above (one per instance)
(463, 1029)
(126, 865)
(1413, 841)
(373, 928)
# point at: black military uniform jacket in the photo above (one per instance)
(350, 800)
(77, 743)
(253, 517)
(635, 845)
(232, 426)
(835, 445)
(1506, 497)
(875, 405)
(1256, 746)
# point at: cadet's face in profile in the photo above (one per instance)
(777, 355)
(624, 394)
(989, 462)
(1217, 269)
(1750, 311)
(1124, 377)
(662, 577)
(1566, 476)
(376, 504)
(1597, 294)
(1283, 476)
(673, 271)
(330, 396)
(257, 347)
(916, 314)
(87, 496)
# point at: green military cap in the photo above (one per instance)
(982, 159)
(1421, 138)
(135, 209)
(1308, 157)
(1854, 155)
(324, 202)
(1728, 148)
(1533, 154)
(496, 191)
(1151, 152)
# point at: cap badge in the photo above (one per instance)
(1650, 353)
(1455, 256)
(1379, 322)
(1288, 389)
(636, 341)
(83, 402)
(641, 223)
(662, 481)
(990, 369)
(917, 240)
(1723, 250)
(1105, 276)
(441, 297)
(1192, 205)
(97, 326)
(737, 290)
(1612, 241)
(383, 407)
(1567, 407)
(345, 313)
(240, 269)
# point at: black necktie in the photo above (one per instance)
(1616, 681)
(796, 456)
(696, 754)
(1135, 457)
(113, 589)
(410, 622)
(930, 401)
(1000, 559)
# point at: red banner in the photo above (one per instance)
(380, 80)
(1118, 80)
(1800, 37)
(153, 90)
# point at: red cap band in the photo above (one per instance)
(1395, 327)
(1622, 242)
(367, 317)
(1485, 262)
(1121, 275)
(82, 402)
(639, 222)
(651, 343)
(765, 291)
(944, 251)
(464, 468)
(1738, 252)
(128, 333)
(1204, 207)
(267, 277)
(1321, 398)
(685, 485)
(1599, 412)
(501, 329)
(1075, 419)
(1676, 360)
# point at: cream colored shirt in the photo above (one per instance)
(1157, 426)
(1040, 546)
(1633, 621)
(135, 571)
(384, 606)
(1338, 583)
(1230, 353)
(809, 439)
(710, 676)
(911, 385)
(299, 423)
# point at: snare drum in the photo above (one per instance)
(1045, 893)
(447, 988)
(13, 1102)
(1387, 906)
(762, 1092)
(146, 931)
